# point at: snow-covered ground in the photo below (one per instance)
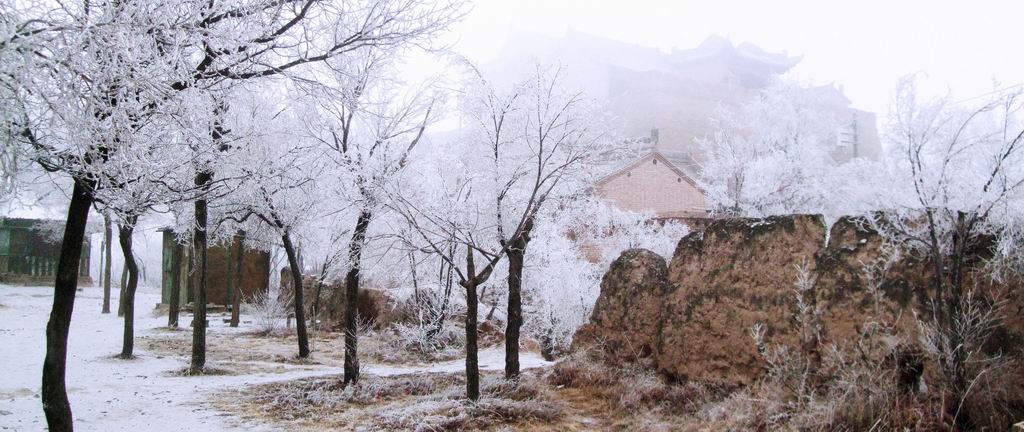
(146, 393)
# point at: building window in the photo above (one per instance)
(655, 161)
(679, 179)
(629, 174)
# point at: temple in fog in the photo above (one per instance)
(676, 93)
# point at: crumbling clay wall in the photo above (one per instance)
(735, 274)
(629, 318)
(845, 269)
(692, 318)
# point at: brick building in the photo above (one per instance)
(255, 271)
(656, 182)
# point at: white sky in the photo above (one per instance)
(866, 46)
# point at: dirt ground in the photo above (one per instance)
(243, 351)
(242, 345)
(149, 392)
(240, 352)
(246, 346)
(322, 404)
(257, 384)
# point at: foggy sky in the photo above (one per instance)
(865, 46)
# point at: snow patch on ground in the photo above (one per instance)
(145, 393)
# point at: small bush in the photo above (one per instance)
(268, 312)
(526, 388)
(422, 342)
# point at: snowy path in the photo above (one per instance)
(108, 394)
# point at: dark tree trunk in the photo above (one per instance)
(229, 272)
(175, 303)
(54, 392)
(516, 257)
(105, 268)
(124, 234)
(319, 291)
(202, 180)
(300, 313)
(236, 301)
(472, 363)
(190, 281)
(547, 345)
(99, 280)
(352, 296)
(120, 295)
(316, 303)
(415, 283)
(442, 315)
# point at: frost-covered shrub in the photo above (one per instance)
(269, 312)
(424, 340)
(562, 276)
(527, 387)
(631, 389)
(552, 322)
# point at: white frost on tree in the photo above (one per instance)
(772, 154)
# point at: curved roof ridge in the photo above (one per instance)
(716, 45)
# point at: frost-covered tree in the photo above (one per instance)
(276, 184)
(770, 155)
(477, 204)
(78, 100)
(137, 175)
(541, 140)
(448, 207)
(106, 254)
(957, 188)
(562, 275)
(368, 124)
(439, 202)
(83, 79)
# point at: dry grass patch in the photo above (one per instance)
(444, 414)
(245, 347)
(634, 398)
(207, 371)
(429, 401)
(581, 371)
(846, 396)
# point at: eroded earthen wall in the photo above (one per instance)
(738, 273)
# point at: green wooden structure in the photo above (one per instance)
(30, 248)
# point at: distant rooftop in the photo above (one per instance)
(716, 47)
(639, 57)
